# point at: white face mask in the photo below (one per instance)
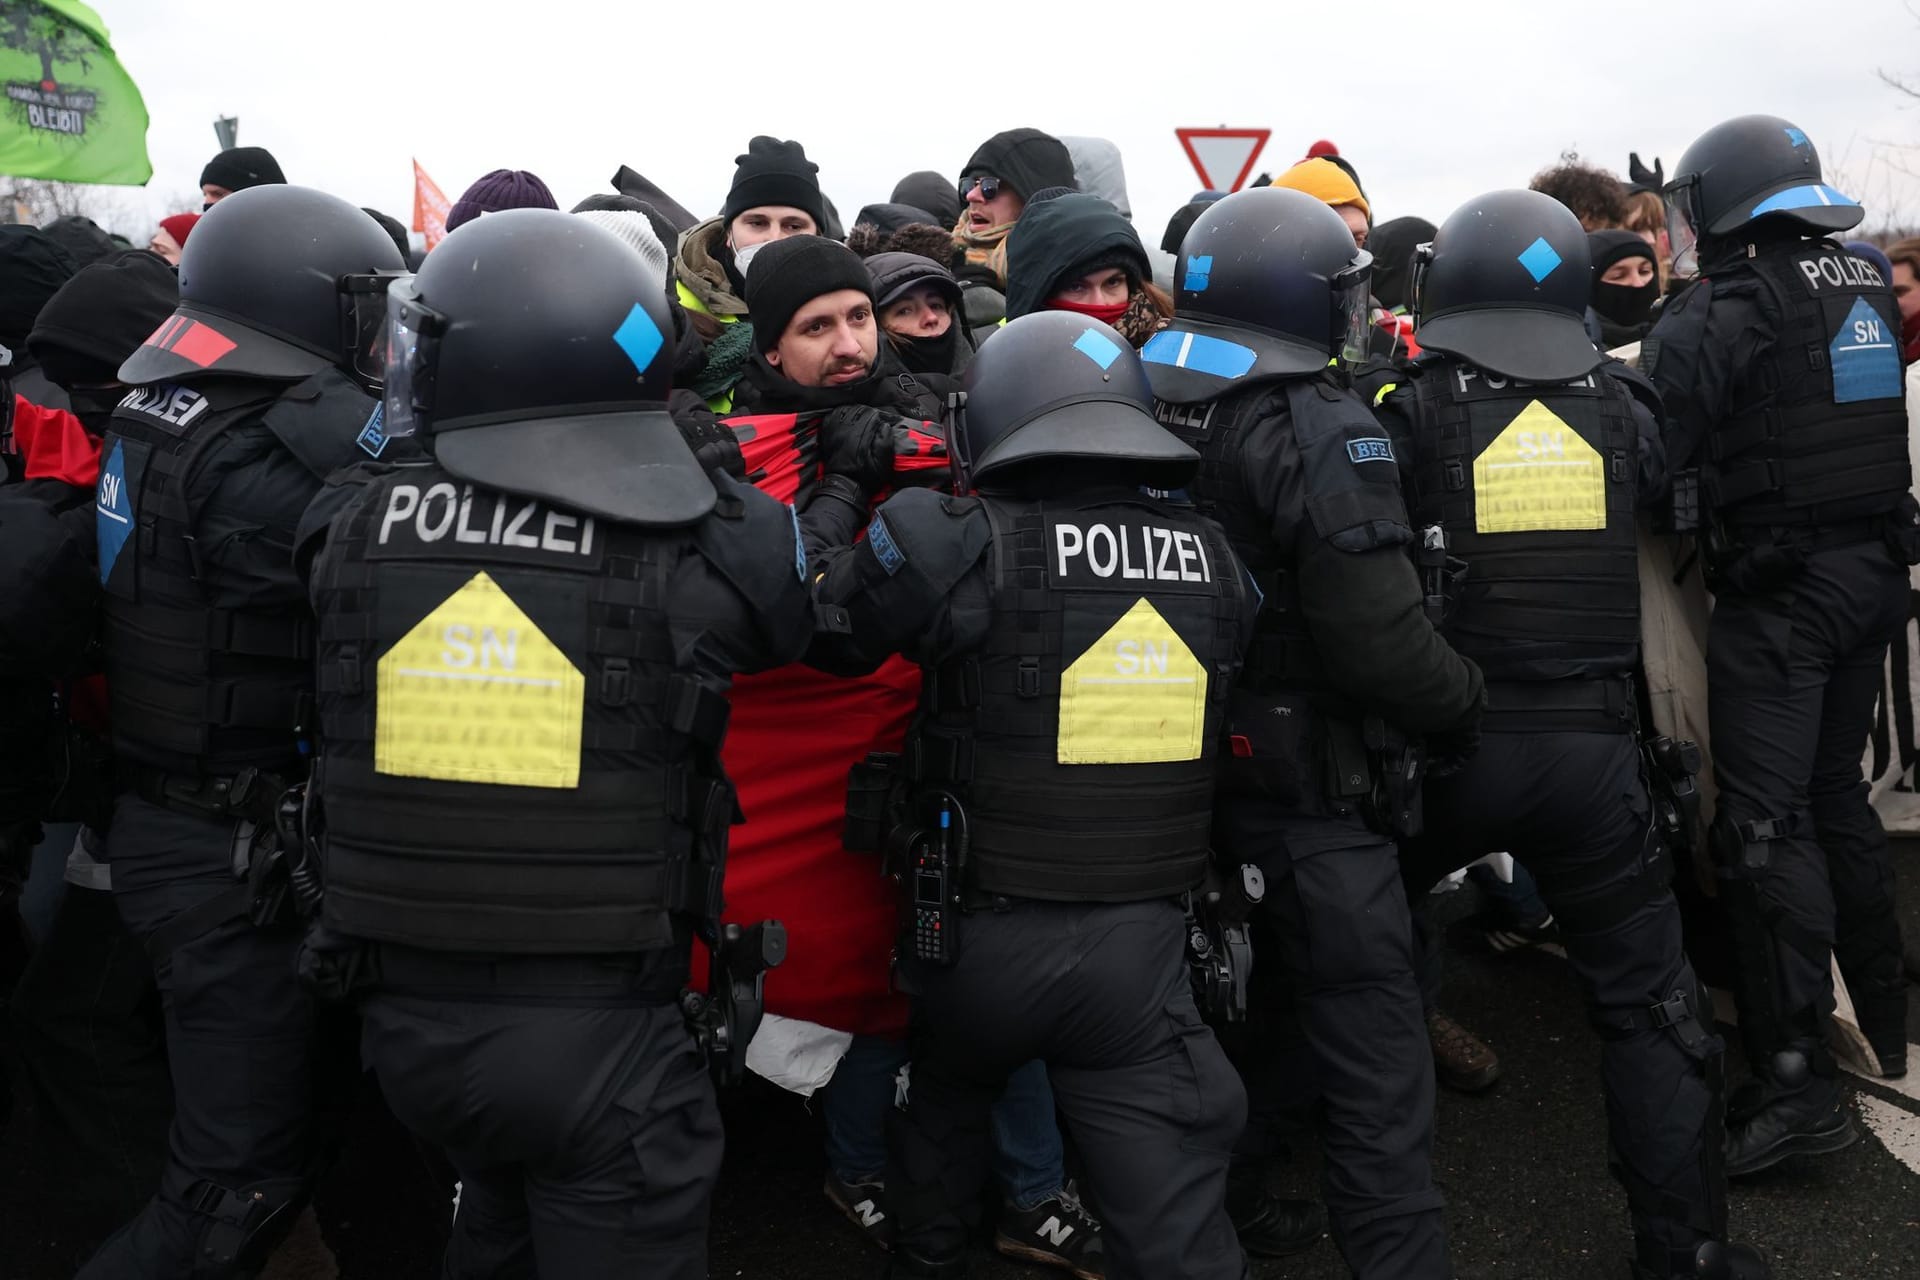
(741, 257)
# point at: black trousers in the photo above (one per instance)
(1793, 675)
(1573, 808)
(1338, 914)
(1101, 994)
(242, 1042)
(93, 1054)
(585, 1135)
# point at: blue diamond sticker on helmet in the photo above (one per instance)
(1796, 137)
(639, 337)
(1096, 348)
(1198, 269)
(1539, 259)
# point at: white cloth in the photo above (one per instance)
(798, 1056)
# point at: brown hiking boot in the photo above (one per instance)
(1462, 1060)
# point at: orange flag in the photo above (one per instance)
(430, 208)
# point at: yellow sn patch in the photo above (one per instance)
(1539, 474)
(1136, 696)
(477, 693)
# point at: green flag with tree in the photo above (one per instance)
(68, 111)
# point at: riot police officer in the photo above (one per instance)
(1530, 455)
(526, 640)
(1078, 638)
(1344, 673)
(242, 401)
(1780, 369)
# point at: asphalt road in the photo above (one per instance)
(1523, 1168)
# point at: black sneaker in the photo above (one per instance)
(1811, 1121)
(1504, 936)
(1270, 1227)
(1057, 1232)
(865, 1204)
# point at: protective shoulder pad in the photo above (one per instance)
(1682, 326)
(322, 420)
(1636, 384)
(1351, 472)
(938, 536)
(753, 541)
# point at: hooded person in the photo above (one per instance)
(237, 169)
(82, 238)
(500, 189)
(999, 179)
(918, 302)
(395, 232)
(775, 194)
(934, 192)
(900, 228)
(1075, 252)
(32, 269)
(1392, 244)
(1626, 284)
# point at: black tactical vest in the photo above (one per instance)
(1818, 433)
(1283, 656)
(513, 763)
(1535, 486)
(193, 689)
(1081, 737)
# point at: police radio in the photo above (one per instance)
(932, 875)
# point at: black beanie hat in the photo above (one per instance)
(32, 269)
(101, 316)
(1608, 247)
(238, 168)
(1026, 160)
(786, 275)
(773, 172)
(925, 189)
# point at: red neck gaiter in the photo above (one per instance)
(1104, 312)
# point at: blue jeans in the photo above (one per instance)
(1028, 1159)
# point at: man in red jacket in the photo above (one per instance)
(821, 381)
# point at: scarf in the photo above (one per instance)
(983, 254)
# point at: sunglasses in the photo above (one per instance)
(989, 187)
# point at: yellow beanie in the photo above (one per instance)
(1324, 181)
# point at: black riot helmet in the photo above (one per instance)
(1060, 387)
(1504, 286)
(1745, 169)
(1268, 284)
(277, 282)
(533, 354)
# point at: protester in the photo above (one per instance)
(500, 189)
(170, 237)
(1075, 252)
(237, 169)
(1596, 197)
(1332, 184)
(775, 194)
(919, 303)
(998, 180)
(934, 192)
(1626, 284)
(1904, 257)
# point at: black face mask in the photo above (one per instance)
(928, 355)
(94, 406)
(1626, 304)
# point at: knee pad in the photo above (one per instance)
(239, 1229)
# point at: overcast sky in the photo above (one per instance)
(1432, 101)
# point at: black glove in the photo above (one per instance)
(713, 443)
(860, 441)
(1448, 752)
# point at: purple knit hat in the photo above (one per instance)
(501, 189)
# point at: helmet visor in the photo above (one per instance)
(1683, 237)
(1352, 304)
(1417, 285)
(410, 353)
(363, 322)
